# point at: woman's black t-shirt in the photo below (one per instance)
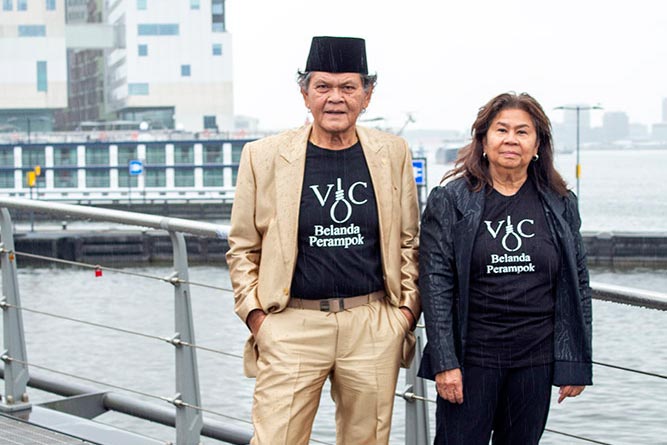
(512, 280)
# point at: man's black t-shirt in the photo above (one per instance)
(339, 244)
(512, 279)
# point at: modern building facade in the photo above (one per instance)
(34, 68)
(172, 67)
(85, 69)
(167, 63)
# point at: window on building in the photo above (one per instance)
(158, 29)
(97, 178)
(155, 155)
(6, 157)
(212, 154)
(217, 49)
(97, 155)
(141, 5)
(218, 15)
(137, 89)
(194, 4)
(185, 70)
(126, 154)
(213, 177)
(7, 5)
(33, 156)
(50, 5)
(7, 179)
(184, 177)
(65, 178)
(142, 50)
(155, 177)
(184, 154)
(210, 123)
(42, 82)
(64, 156)
(21, 5)
(32, 31)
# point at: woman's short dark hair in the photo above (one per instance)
(368, 81)
(475, 168)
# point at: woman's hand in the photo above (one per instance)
(569, 391)
(450, 385)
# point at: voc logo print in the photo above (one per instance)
(341, 209)
(512, 240)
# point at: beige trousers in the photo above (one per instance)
(358, 349)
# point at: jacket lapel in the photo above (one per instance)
(379, 167)
(289, 167)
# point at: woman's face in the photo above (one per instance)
(335, 100)
(511, 141)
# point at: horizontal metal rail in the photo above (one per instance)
(119, 216)
(143, 410)
(629, 295)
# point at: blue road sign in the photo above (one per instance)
(419, 168)
(136, 167)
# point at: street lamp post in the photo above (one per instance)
(578, 109)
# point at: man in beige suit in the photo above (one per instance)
(323, 259)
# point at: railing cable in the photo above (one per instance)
(172, 340)
(574, 436)
(169, 279)
(652, 374)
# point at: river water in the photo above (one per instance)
(619, 192)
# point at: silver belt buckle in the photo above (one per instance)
(325, 305)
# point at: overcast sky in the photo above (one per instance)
(442, 59)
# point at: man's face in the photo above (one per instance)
(335, 100)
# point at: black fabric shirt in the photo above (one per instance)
(339, 238)
(512, 280)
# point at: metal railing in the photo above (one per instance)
(187, 414)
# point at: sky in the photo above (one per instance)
(440, 60)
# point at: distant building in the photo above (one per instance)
(34, 69)
(638, 132)
(85, 70)
(568, 130)
(659, 132)
(172, 65)
(615, 126)
(164, 62)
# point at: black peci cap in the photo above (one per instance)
(337, 55)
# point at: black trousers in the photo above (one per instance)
(511, 403)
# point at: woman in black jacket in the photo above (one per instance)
(504, 283)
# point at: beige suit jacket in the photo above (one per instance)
(265, 220)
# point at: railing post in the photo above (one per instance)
(16, 371)
(189, 421)
(416, 411)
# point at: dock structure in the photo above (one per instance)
(70, 420)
